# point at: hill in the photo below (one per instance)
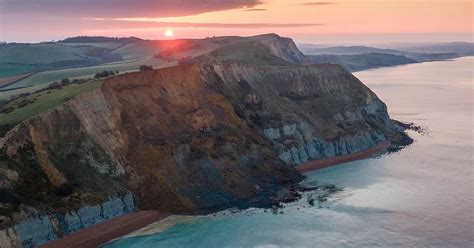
(83, 57)
(99, 39)
(71, 58)
(361, 62)
(448, 47)
(349, 50)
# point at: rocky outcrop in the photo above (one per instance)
(36, 228)
(192, 138)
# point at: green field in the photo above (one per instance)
(133, 54)
(108, 45)
(81, 72)
(136, 50)
(43, 79)
(39, 53)
(9, 70)
(44, 101)
(247, 52)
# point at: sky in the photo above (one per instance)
(331, 21)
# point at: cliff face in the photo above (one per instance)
(168, 136)
(282, 47)
(309, 112)
(190, 138)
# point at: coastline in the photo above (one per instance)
(143, 222)
(307, 167)
(327, 162)
(106, 231)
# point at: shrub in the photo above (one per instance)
(65, 81)
(146, 68)
(102, 74)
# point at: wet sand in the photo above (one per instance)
(323, 163)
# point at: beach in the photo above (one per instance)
(323, 163)
(104, 232)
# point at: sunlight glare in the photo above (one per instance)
(169, 33)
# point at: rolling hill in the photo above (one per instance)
(83, 57)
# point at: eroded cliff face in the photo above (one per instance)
(192, 138)
(168, 136)
(309, 112)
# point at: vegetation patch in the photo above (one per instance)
(28, 106)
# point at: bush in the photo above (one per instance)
(146, 68)
(55, 85)
(65, 81)
(102, 74)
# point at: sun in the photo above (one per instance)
(169, 33)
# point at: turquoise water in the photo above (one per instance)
(422, 196)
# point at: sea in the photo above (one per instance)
(421, 196)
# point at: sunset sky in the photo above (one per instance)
(332, 21)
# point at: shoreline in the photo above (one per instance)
(327, 162)
(130, 224)
(102, 233)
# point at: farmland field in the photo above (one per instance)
(9, 70)
(9, 80)
(39, 53)
(44, 101)
(82, 72)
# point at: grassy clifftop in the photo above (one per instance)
(28, 106)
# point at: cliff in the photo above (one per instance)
(309, 112)
(169, 136)
(192, 138)
(360, 62)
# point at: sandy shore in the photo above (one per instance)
(148, 222)
(104, 232)
(323, 163)
(161, 225)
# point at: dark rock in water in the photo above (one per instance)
(412, 126)
(311, 200)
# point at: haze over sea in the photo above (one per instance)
(420, 196)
